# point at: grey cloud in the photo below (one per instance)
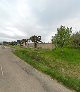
(55, 10)
(41, 18)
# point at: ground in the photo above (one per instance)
(17, 76)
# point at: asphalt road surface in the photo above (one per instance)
(17, 76)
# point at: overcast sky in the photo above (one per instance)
(23, 18)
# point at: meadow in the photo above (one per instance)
(64, 66)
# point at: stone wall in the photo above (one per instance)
(41, 45)
(45, 45)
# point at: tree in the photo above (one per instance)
(63, 36)
(12, 43)
(35, 39)
(24, 41)
(76, 39)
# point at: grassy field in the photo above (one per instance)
(61, 65)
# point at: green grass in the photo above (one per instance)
(69, 54)
(63, 66)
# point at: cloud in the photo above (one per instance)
(24, 18)
(50, 11)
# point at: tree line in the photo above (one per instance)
(34, 39)
(65, 38)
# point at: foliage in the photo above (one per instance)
(35, 39)
(76, 39)
(13, 43)
(62, 38)
(65, 68)
(23, 41)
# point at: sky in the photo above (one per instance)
(20, 19)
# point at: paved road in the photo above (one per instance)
(17, 76)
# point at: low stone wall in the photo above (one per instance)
(30, 45)
(41, 45)
(45, 45)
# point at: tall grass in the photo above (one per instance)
(61, 65)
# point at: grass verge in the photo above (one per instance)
(63, 66)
